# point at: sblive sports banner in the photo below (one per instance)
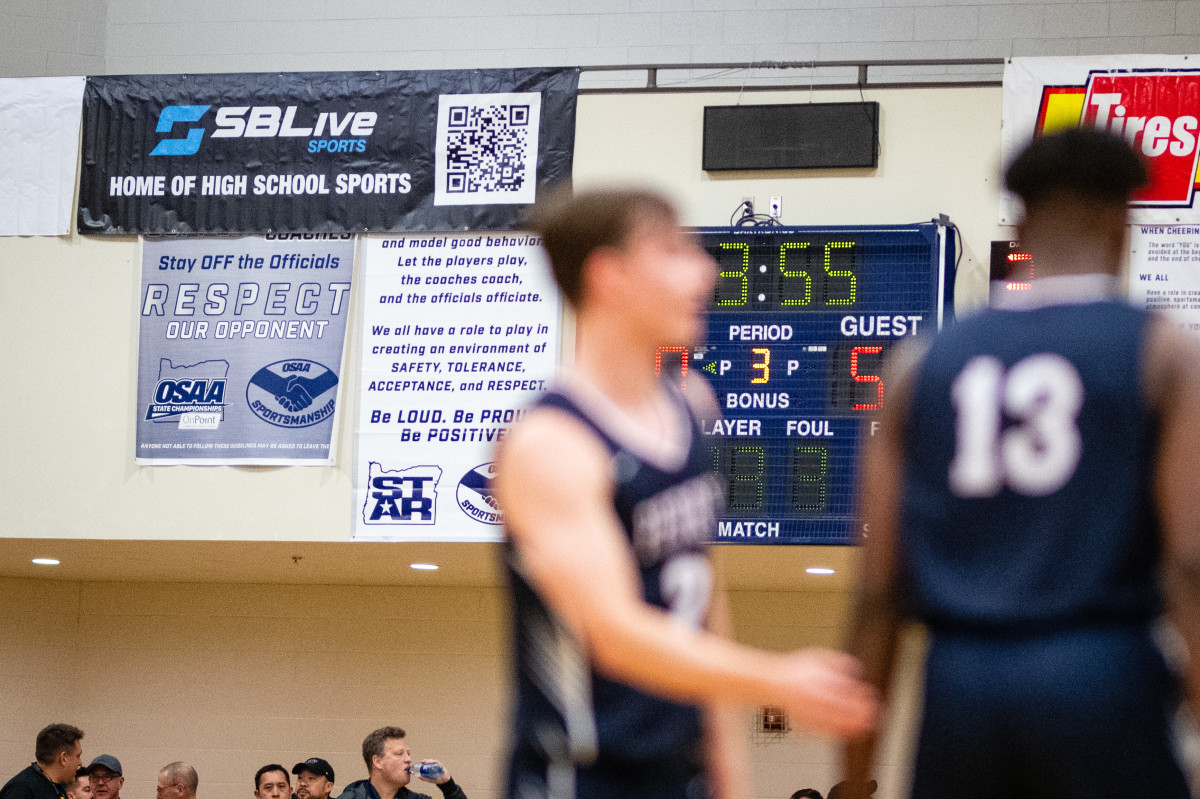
(240, 355)
(459, 332)
(322, 152)
(1153, 101)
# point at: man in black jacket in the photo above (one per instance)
(390, 768)
(59, 755)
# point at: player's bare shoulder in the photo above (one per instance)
(548, 461)
(702, 399)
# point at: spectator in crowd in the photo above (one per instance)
(390, 768)
(80, 787)
(807, 793)
(314, 779)
(177, 780)
(106, 777)
(59, 754)
(272, 782)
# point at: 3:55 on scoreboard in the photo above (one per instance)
(801, 321)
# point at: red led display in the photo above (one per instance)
(1012, 268)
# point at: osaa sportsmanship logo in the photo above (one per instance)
(475, 497)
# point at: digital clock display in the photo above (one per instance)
(1012, 270)
(801, 322)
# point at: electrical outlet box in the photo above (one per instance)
(776, 207)
(748, 205)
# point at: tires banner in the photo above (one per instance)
(459, 333)
(1151, 100)
(323, 152)
(240, 349)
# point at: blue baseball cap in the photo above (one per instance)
(109, 762)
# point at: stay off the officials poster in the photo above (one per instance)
(240, 350)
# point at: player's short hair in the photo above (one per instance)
(373, 744)
(267, 769)
(55, 739)
(1089, 163)
(573, 227)
(80, 773)
(807, 793)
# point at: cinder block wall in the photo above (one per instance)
(53, 37)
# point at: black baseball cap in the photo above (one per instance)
(315, 765)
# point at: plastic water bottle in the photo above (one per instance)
(431, 771)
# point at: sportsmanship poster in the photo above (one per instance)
(1151, 100)
(1164, 272)
(240, 355)
(323, 152)
(459, 332)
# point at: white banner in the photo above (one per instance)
(1152, 100)
(39, 136)
(1164, 272)
(459, 332)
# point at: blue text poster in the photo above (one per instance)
(240, 357)
(459, 332)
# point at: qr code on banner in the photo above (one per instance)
(487, 147)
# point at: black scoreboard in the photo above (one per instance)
(800, 324)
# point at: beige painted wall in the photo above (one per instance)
(68, 315)
(232, 676)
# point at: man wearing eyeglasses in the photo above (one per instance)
(106, 777)
(177, 780)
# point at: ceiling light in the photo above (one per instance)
(424, 567)
(45, 561)
(816, 570)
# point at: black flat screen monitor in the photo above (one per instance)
(806, 136)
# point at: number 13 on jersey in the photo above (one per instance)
(1037, 453)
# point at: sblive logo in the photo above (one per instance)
(401, 496)
(474, 495)
(266, 122)
(1158, 113)
(175, 397)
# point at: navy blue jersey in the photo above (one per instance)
(567, 715)
(1029, 452)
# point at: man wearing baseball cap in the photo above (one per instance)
(314, 779)
(106, 777)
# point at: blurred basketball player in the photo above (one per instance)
(1037, 465)
(609, 502)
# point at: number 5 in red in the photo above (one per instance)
(854, 353)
